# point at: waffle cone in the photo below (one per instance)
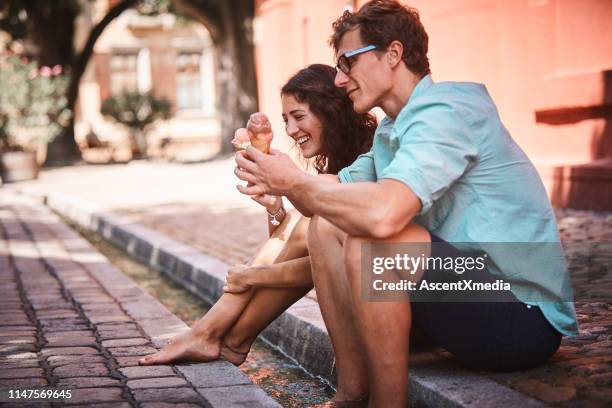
(261, 145)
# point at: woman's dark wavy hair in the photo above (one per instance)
(346, 134)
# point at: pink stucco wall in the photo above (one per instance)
(547, 56)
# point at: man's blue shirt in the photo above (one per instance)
(477, 187)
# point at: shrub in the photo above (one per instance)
(33, 103)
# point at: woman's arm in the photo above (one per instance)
(275, 211)
(293, 273)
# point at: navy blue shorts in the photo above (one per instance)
(497, 336)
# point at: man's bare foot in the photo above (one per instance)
(187, 347)
(362, 403)
(234, 356)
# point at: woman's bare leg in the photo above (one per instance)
(265, 306)
(203, 341)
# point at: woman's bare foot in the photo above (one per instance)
(187, 347)
(234, 356)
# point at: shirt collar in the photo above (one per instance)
(421, 87)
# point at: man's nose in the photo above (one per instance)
(341, 79)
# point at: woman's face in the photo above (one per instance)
(302, 126)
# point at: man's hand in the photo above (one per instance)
(272, 173)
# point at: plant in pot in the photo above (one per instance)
(137, 111)
(33, 110)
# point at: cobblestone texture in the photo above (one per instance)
(211, 231)
(69, 319)
(580, 374)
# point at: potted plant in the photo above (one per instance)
(137, 111)
(32, 112)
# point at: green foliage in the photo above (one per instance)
(157, 7)
(154, 7)
(33, 103)
(14, 18)
(135, 110)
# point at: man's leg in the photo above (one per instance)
(383, 327)
(334, 297)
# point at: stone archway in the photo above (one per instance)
(230, 24)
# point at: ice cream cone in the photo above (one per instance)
(260, 132)
(261, 144)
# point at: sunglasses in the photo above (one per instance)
(344, 61)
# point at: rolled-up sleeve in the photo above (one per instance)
(435, 150)
(362, 169)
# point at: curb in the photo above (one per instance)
(300, 332)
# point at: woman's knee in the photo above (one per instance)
(299, 234)
(287, 225)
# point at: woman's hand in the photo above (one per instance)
(271, 202)
(236, 280)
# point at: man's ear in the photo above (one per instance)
(395, 51)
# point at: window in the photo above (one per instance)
(123, 73)
(188, 86)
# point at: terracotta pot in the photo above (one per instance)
(18, 166)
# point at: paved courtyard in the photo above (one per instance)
(198, 205)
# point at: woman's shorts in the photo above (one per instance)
(499, 336)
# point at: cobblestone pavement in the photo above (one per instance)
(69, 319)
(204, 211)
(580, 373)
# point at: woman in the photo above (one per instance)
(320, 118)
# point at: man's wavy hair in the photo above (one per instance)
(382, 21)
(345, 133)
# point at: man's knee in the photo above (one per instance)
(352, 257)
(352, 249)
(412, 233)
(321, 231)
(417, 236)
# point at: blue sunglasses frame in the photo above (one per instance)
(344, 63)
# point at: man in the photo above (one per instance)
(442, 169)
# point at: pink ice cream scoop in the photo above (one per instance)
(260, 132)
(241, 139)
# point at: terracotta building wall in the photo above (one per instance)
(544, 59)
(533, 56)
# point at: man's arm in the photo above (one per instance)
(363, 209)
(304, 210)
